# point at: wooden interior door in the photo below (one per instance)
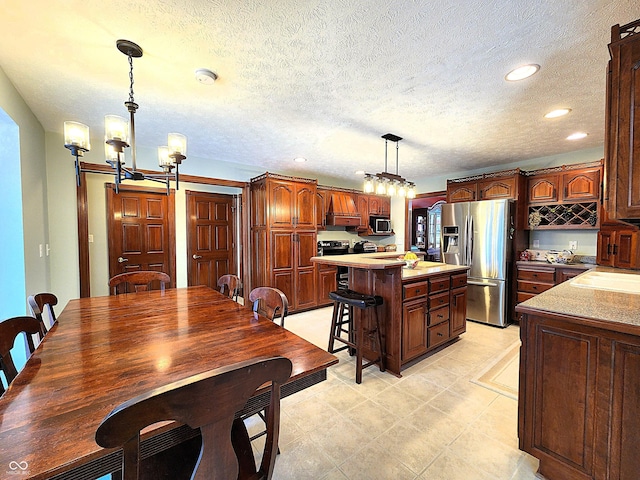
(211, 246)
(141, 230)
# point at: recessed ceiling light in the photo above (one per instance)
(359, 172)
(557, 113)
(577, 136)
(522, 72)
(206, 76)
(299, 159)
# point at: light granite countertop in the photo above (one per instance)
(386, 260)
(589, 303)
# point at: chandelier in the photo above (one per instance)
(388, 183)
(119, 134)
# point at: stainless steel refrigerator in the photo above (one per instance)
(479, 234)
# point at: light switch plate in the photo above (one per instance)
(536, 244)
(573, 245)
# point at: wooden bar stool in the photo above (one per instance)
(344, 301)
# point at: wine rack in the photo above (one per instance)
(565, 216)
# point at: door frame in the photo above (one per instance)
(83, 216)
(170, 221)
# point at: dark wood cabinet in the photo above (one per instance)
(323, 197)
(543, 188)
(581, 185)
(283, 237)
(497, 188)
(578, 397)
(619, 247)
(434, 311)
(462, 191)
(622, 124)
(362, 204)
(326, 282)
(534, 278)
(379, 205)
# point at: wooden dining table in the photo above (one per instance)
(106, 350)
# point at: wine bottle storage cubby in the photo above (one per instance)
(575, 215)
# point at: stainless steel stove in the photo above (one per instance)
(336, 247)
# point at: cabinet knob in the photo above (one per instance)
(440, 334)
(535, 287)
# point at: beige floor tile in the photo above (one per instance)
(487, 454)
(449, 466)
(374, 462)
(432, 423)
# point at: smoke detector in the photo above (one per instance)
(206, 76)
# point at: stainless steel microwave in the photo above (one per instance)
(380, 224)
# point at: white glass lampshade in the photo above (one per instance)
(391, 189)
(116, 128)
(411, 192)
(177, 144)
(77, 135)
(381, 188)
(402, 190)
(164, 160)
(368, 184)
(111, 155)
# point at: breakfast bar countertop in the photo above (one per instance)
(621, 309)
(386, 260)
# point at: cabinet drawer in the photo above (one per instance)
(533, 287)
(438, 300)
(438, 284)
(439, 315)
(437, 334)
(538, 275)
(522, 296)
(458, 280)
(414, 290)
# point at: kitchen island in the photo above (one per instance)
(579, 393)
(423, 308)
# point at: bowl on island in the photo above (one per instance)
(412, 263)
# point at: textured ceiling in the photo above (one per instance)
(323, 79)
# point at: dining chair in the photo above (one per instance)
(208, 401)
(229, 285)
(139, 281)
(9, 330)
(269, 302)
(38, 304)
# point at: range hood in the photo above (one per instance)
(342, 211)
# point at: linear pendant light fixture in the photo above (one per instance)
(385, 183)
(119, 135)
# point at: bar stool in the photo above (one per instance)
(343, 321)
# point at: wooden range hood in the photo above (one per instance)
(342, 211)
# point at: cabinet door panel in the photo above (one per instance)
(497, 188)
(458, 314)
(625, 427)
(327, 283)
(282, 205)
(306, 288)
(414, 329)
(605, 248)
(282, 250)
(307, 247)
(543, 189)
(462, 192)
(305, 203)
(564, 394)
(581, 186)
(363, 209)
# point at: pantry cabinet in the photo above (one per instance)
(622, 123)
(283, 237)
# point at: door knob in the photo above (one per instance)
(196, 257)
(121, 260)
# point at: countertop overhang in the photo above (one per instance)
(588, 303)
(388, 260)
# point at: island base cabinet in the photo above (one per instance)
(579, 399)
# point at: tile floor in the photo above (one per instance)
(431, 424)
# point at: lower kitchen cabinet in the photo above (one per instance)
(536, 277)
(326, 281)
(579, 397)
(619, 248)
(434, 312)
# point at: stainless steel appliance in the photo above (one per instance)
(479, 234)
(380, 224)
(336, 247)
(365, 247)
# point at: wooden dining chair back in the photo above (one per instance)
(269, 302)
(139, 281)
(9, 330)
(41, 303)
(208, 401)
(229, 285)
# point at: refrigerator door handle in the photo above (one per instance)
(470, 241)
(482, 284)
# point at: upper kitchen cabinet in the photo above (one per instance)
(323, 196)
(565, 197)
(507, 184)
(379, 205)
(622, 134)
(291, 204)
